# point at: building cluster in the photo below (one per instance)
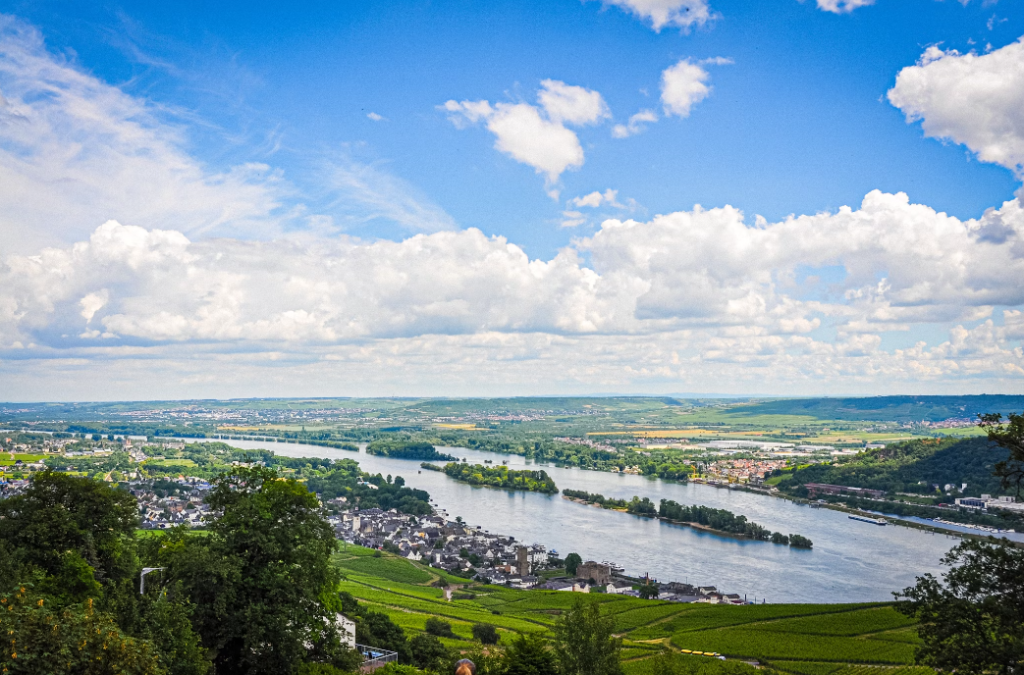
(496, 559)
(990, 503)
(744, 470)
(186, 507)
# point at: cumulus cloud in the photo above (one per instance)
(842, 6)
(375, 117)
(537, 135)
(682, 14)
(683, 86)
(636, 124)
(721, 291)
(971, 99)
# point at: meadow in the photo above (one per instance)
(836, 639)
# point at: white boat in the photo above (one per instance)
(873, 521)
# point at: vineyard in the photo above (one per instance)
(852, 639)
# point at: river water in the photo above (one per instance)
(851, 561)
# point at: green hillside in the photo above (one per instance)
(801, 639)
(888, 408)
(902, 466)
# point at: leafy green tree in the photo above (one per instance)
(585, 643)
(486, 633)
(529, 655)
(378, 630)
(972, 622)
(428, 652)
(649, 591)
(73, 640)
(438, 627)
(78, 532)
(572, 561)
(1010, 471)
(262, 584)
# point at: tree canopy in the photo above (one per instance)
(972, 621)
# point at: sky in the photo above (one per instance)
(465, 198)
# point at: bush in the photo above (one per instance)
(428, 652)
(440, 628)
(486, 633)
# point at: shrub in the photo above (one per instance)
(486, 633)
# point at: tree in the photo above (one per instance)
(486, 633)
(585, 644)
(262, 583)
(72, 640)
(437, 627)
(428, 652)
(973, 623)
(649, 591)
(1010, 471)
(78, 532)
(529, 655)
(572, 562)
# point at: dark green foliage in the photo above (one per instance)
(502, 477)
(779, 538)
(796, 541)
(343, 481)
(76, 531)
(585, 644)
(72, 640)
(901, 467)
(529, 655)
(972, 622)
(572, 562)
(649, 591)
(642, 507)
(261, 583)
(1010, 437)
(716, 519)
(428, 652)
(399, 449)
(437, 627)
(595, 498)
(486, 633)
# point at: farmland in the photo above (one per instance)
(851, 639)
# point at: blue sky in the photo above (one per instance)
(409, 144)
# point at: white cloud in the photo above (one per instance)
(682, 14)
(595, 199)
(842, 6)
(569, 104)
(975, 100)
(702, 284)
(635, 125)
(683, 86)
(537, 135)
(375, 117)
(75, 151)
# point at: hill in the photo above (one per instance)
(802, 639)
(903, 409)
(903, 466)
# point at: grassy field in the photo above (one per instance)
(852, 639)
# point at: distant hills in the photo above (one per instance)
(888, 408)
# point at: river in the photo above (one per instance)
(851, 561)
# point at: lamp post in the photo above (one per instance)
(142, 578)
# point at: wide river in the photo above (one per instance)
(851, 561)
